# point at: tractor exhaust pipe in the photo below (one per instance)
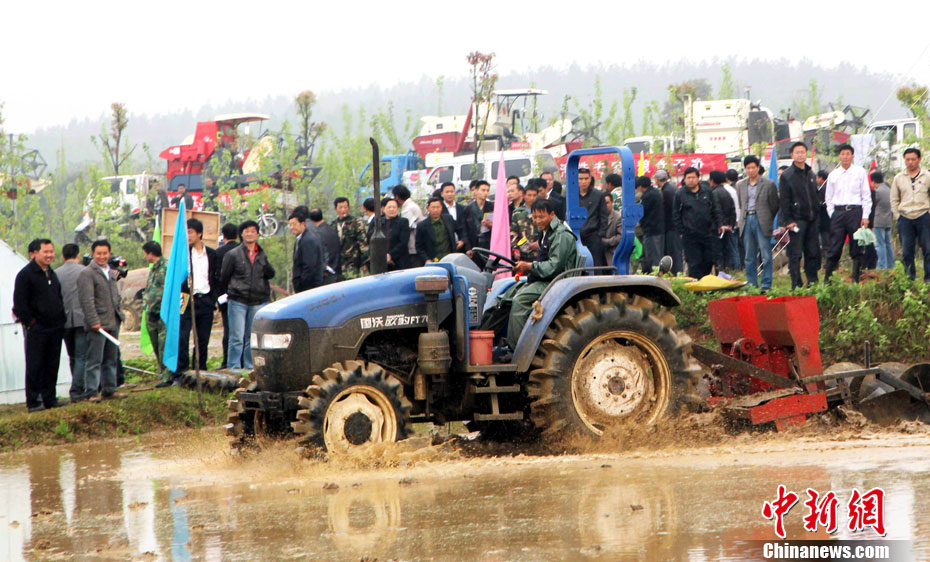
(377, 247)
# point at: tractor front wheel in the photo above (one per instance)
(351, 406)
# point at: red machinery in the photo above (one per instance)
(769, 368)
(186, 161)
(769, 346)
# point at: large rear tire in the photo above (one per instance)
(351, 406)
(610, 359)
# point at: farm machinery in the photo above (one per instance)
(358, 362)
(769, 369)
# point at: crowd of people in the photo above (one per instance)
(728, 223)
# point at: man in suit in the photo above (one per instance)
(308, 253)
(100, 303)
(435, 233)
(205, 271)
(546, 191)
(457, 212)
(397, 231)
(75, 335)
(332, 247)
(758, 205)
(182, 195)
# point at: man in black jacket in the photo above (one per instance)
(397, 231)
(435, 233)
(697, 220)
(547, 191)
(477, 217)
(652, 223)
(332, 248)
(308, 254)
(595, 226)
(672, 238)
(230, 241)
(245, 274)
(800, 205)
(726, 246)
(38, 306)
(204, 268)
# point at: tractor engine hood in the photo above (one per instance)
(331, 306)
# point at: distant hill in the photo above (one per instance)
(779, 84)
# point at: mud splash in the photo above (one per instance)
(687, 490)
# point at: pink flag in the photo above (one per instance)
(500, 227)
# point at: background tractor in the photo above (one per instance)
(360, 361)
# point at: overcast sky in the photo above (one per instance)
(66, 60)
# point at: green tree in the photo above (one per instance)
(914, 98)
(811, 104)
(727, 88)
(440, 87)
(483, 80)
(112, 144)
(310, 131)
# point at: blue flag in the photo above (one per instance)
(773, 167)
(177, 272)
(773, 175)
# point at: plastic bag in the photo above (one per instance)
(864, 236)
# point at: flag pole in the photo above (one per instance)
(193, 306)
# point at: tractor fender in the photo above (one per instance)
(564, 291)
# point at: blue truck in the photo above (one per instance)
(393, 170)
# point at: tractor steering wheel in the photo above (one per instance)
(494, 266)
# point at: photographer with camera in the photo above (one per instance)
(100, 303)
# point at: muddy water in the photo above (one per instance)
(182, 497)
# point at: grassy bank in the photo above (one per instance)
(140, 412)
(888, 309)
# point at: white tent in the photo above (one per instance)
(12, 350)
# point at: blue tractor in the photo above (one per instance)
(360, 361)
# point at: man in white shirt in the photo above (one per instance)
(413, 213)
(849, 202)
(204, 267)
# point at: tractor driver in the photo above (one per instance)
(556, 254)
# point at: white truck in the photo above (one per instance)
(734, 126)
(462, 169)
(655, 144)
(124, 200)
(892, 137)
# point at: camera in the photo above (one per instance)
(116, 263)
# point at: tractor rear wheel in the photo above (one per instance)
(351, 406)
(607, 359)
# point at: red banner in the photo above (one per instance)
(603, 164)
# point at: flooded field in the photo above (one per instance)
(182, 496)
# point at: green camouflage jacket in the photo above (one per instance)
(353, 236)
(523, 232)
(155, 287)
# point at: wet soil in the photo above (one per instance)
(689, 491)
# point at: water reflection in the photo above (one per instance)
(110, 500)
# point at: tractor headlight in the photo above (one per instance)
(270, 341)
